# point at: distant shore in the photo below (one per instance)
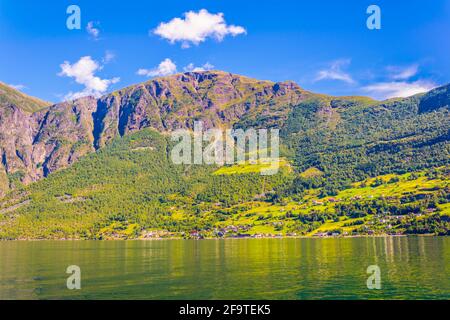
(232, 238)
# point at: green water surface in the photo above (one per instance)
(411, 268)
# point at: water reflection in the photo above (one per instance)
(412, 268)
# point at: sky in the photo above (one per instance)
(325, 46)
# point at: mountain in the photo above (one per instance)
(37, 139)
(17, 123)
(10, 96)
(435, 99)
(352, 138)
(131, 189)
(350, 164)
(36, 142)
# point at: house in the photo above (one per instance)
(243, 235)
(196, 235)
(220, 234)
(292, 234)
(231, 229)
(320, 234)
(335, 234)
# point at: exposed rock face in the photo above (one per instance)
(217, 98)
(35, 143)
(16, 138)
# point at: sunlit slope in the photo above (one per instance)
(12, 97)
(131, 181)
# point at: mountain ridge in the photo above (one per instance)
(35, 143)
(11, 96)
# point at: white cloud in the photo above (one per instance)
(192, 68)
(196, 27)
(165, 68)
(335, 72)
(109, 56)
(401, 89)
(403, 73)
(92, 30)
(19, 87)
(83, 72)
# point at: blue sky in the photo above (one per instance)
(324, 46)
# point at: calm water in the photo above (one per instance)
(411, 268)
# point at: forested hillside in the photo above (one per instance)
(350, 139)
(102, 169)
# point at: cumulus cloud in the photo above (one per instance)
(192, 68)
(83, 72)
(165, 68)
(399, 89)
(92, 30)
(335, 72)
(403, 73)
(196, 27)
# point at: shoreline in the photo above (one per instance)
(230, 238)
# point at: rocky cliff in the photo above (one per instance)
(37, 139)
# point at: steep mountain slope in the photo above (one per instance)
(363, 136)
(36, 144)
(351, 139)
(132, 180)
(435, 99)
(131, 189)
(12, 97)
(217, 98)
(121, 181)
(17, 126)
